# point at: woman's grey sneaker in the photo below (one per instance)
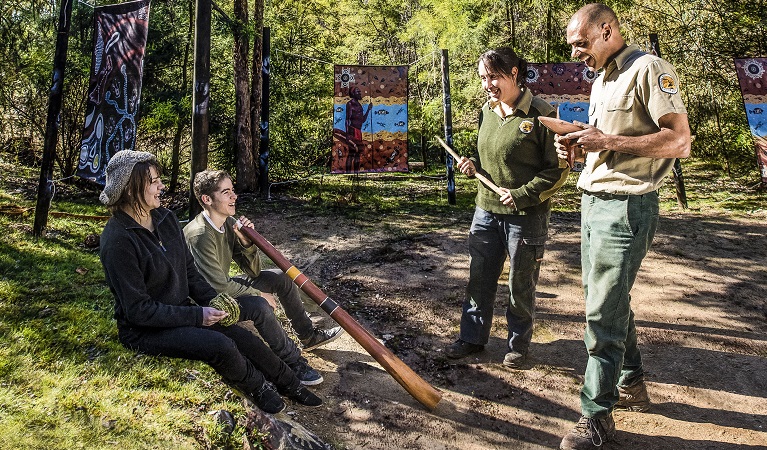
(305, 373)
(633, 398)
(460, 349)
(321, 337)
(514, 360)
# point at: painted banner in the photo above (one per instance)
(119, 39)
(567, 86)
(752, 76)
(370, 119)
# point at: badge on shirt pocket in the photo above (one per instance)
(667, 83)
(526, 126)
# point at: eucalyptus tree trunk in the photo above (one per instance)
(246, 168)
(175, 160)
(256, 94)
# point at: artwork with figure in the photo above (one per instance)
(370, 119)
(752, 76)
(114, 92)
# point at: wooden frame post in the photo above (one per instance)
(448, 127)
(681, 193)
(200, 98)
(45, 186)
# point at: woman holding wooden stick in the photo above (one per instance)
(516, 153)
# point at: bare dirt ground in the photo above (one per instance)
(699, 303)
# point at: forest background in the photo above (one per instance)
(398, 260)
(699, 37)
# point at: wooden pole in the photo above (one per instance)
(45, 185)
(200, 98)
(448, 127)
(681, 193)
(263, 158)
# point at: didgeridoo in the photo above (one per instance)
(413, 384)
(486, 181)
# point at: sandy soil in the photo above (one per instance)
(699, 303)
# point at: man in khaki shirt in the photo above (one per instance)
(637, 127)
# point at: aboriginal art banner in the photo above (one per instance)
(566, 86)
(752, 76)
(119, 39)
(370, 119)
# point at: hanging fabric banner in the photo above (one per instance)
(752, 76)
(119, 40)
(370, 119)
(566, 86)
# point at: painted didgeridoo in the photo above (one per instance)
(413, 384)
(486, 181)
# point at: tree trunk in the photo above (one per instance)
(256, 95)
(246, 168)
(176, 151)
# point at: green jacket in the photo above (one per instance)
(518, 153)
(214, 252)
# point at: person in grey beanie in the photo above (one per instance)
(161, 300)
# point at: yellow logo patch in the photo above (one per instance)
(668, 84)
(526, 126)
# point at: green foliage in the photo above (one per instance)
(700, 38)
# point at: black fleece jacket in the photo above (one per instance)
(152, 275)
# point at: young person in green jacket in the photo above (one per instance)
(215, 242)
(517, 153)
(162, 304)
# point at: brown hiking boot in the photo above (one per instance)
(633, 398)
(589, 434)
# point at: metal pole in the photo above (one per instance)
(45, 186)
(200, 98)
(681, 194)
(448, 127)
(263, 157)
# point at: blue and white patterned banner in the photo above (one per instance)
(119, 40)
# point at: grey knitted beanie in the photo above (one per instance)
(119, 170)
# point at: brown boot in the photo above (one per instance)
(634, 397)
(589, 434)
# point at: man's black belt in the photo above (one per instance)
(607, 196)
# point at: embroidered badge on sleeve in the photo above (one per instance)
(668, 84)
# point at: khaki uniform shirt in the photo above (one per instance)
(628, 98)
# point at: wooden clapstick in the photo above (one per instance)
(563, 127)
(486, 181)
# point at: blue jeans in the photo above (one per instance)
(492, 237)
(617, 231)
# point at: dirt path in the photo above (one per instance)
(701, 316)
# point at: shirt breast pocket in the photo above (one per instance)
(624, 103)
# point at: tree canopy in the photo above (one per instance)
(700, 37)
